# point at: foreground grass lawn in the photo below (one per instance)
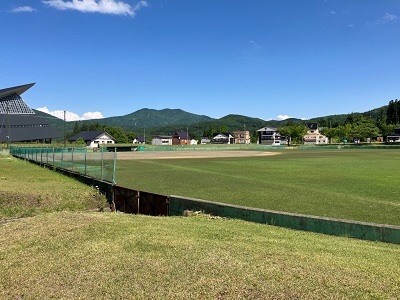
(116, 256)
(27, 189)
(355, 184)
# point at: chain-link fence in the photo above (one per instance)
(100, 164)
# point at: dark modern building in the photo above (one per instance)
(18, 122)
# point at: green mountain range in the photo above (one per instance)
(168, 121)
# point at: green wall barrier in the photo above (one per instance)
(353, 229)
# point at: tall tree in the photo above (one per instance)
(295, 132)
(393, 112)
(330, 133)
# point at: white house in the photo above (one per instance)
(93, 138)
(313, 136)
(139, 140)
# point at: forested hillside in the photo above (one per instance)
(150, 122)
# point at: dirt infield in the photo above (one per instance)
(190, 154)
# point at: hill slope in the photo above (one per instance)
(155, 118)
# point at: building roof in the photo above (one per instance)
(23, 128)
(268, 129)
(225, 134)
(182, 135)
(11, 101)
(313, 126)
(89, 135)
(140, 139)
(15, 90)
(162, 137)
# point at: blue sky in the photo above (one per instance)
(258, 58)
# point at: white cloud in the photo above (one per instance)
(282, 117)
(387, 18)
(113, 7)
(390, 17)
(23, 9)
(92, 115)
(70, 116)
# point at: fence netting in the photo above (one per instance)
(99, 164)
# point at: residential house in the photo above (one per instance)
(395, 137)
(181, 138)
(223, 138)
(241, 136)
(162, 140)
(93, 139)
(270, 136)
(139, 140)
(313, 136)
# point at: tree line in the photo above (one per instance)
(356, 127)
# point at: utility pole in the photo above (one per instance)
(65, 141)
(244, 133)
(7, 127)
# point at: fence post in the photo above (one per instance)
(85, 160)
(72, 159)
(115, 165)
(101, 168)
(62, 157)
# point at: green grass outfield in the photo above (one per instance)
(355, 184)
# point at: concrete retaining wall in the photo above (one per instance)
(359, 230)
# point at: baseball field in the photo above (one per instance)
(64, 251)
(355, 184)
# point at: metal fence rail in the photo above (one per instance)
(96, 164)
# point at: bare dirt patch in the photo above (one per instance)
(190, 154)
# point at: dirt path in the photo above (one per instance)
(190, 154)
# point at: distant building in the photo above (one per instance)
(139, 140)
(270, 136)
(241, 136)
(162, 140)
(205, 140)
(18, 122)
(181, 138)
(395, 137)
(223, 138)
(313, 136)
(93, 139)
